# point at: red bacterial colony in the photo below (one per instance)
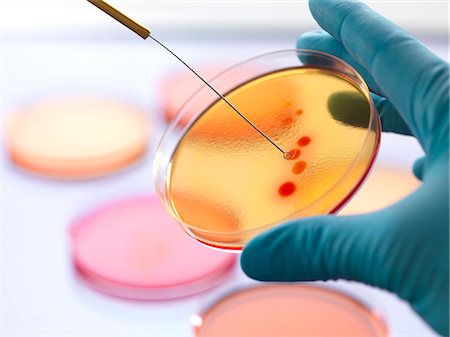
(287, 189)
(299, 167)
(287, 120)
(294, 154)
(304, 141)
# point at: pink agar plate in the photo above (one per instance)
(134, 249)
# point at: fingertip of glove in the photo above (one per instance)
(263, 258)
(307, 39)
(318, 7)
(325, 6)
(250, 260)
(246, 263)
(419, 168)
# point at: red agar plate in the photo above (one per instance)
(134, 249)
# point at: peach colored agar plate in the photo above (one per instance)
(134, 249)
(289, 310)
(77, 137)
(385, 187)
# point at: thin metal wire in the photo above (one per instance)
(286, 155)
(145, 32)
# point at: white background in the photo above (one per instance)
(52, 48)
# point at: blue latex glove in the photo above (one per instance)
(405, 247)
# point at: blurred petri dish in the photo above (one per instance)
(289, 310)
(386, 186)
(76, 138)
(134, 249)
(225, 183)
(177, 87)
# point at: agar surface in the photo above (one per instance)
(222, 166)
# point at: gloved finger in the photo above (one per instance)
(403, 248)
(391, 120)
(319, 248)
(322, 41)
(373, 249)
(410, 75)
(419, 167)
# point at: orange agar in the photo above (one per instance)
(211, 161)
(299, 167)
(287, 189)
(304, 141)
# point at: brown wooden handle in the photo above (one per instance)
(122, 18)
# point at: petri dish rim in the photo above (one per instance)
(360, 84)
(135, 291)
(372, 310)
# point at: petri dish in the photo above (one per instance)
(386, 186)
(177, 87)
(77, 137)
(133, 249)
(289, 310)
(225, 183)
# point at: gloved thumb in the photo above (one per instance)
(319, 248)
(419, 168)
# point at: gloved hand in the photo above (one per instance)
(405, 247)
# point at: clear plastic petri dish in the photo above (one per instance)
(289, 310)
(176, 88)
(77, 137)
(225, 183)
(133, 249)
